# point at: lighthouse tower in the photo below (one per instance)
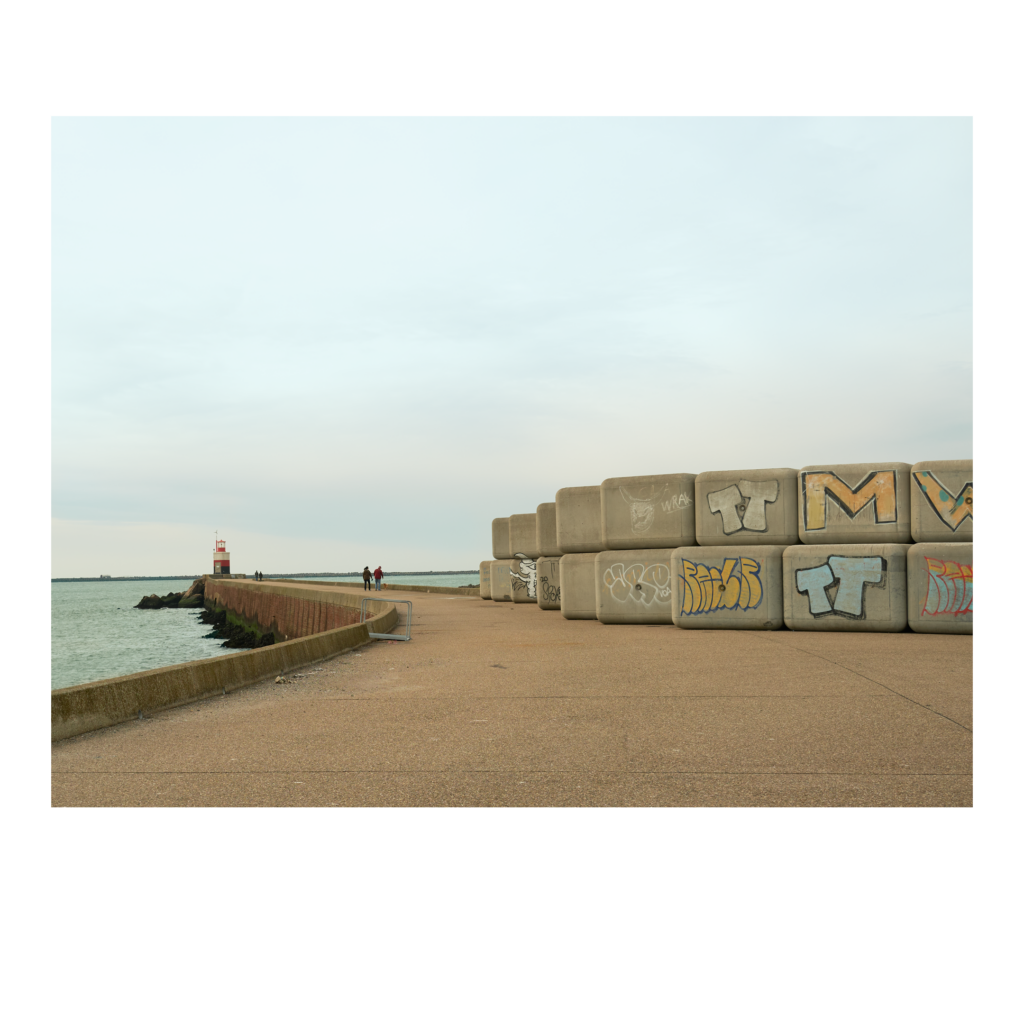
(221, 559)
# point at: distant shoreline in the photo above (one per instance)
(267, 576)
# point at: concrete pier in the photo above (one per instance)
(501, 705)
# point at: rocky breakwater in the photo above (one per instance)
(233, 634)
(191, 598)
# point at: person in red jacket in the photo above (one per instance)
(377, 574)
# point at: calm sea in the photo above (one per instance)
(96, 633)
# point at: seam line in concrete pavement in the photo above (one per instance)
(924, 707)
(527, 771)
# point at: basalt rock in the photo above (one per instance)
(151, 602)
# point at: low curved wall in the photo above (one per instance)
(80, 709)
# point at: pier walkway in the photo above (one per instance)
(506, 705)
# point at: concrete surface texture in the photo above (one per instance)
(940, 588)
(845, 587)
(727, 588)
(500, 539)
(547, 530)
(485, 581)
(747, 506)
(578, 519)
(942, 501)
(500, 705)
(549, 592)
(523, 574)
(501, 579)
(634, 586)
(647, 512)
(522, 535)
(863, 503)
(578, 595)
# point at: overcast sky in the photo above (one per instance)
(351, 341)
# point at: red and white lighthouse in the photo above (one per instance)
(221, 559)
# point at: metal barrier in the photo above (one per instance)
(389, 636)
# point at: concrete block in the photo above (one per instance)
(845, 587)
(728, 587)
(940, 588)
(501, 579)
(523, 573)
(500, 539)
(634, 586)
(522, 535)
(485, 581)
(578, 519)
(549, 592)
(578, 595)
(547, 534)
(647, 512)
(942, 501)
(863, 503)
(747, 506)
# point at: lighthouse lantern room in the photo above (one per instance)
(221, 558)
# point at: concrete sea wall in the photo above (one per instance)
(869, 546)
(79, 709)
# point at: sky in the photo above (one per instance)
(349, 341)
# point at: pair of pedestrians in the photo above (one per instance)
(376, 575)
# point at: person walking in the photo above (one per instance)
(366, 577)
(377, 574)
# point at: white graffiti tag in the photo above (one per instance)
(742, 507)
(645, 584)
(852, 573)
(642, 509)
(527, 575)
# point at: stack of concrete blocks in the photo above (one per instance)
(863, 547)
(501, 567)
(940, 564)
(522, 543)
(643, 519)
(549, 554)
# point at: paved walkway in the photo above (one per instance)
(506, 705)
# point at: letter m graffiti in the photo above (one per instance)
(878, 487)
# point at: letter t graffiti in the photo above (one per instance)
(757, 492)
(852, 574)
(813, 582)
(725, 502)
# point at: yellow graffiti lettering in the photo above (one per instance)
(750, 591)
(951, 508)
(691, 590)
(706, 588)
(879, 487)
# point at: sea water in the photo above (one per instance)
(96, 632)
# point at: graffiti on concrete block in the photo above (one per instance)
(706, 588)
(950, 588)
(639, 583)
(877, 488)
(526, 578)
(550, 593)
(836, 587)
(642, 508)
(951, 508)
(742, 505)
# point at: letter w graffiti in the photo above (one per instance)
(951, 510)
(950, 588)
(879, 487)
